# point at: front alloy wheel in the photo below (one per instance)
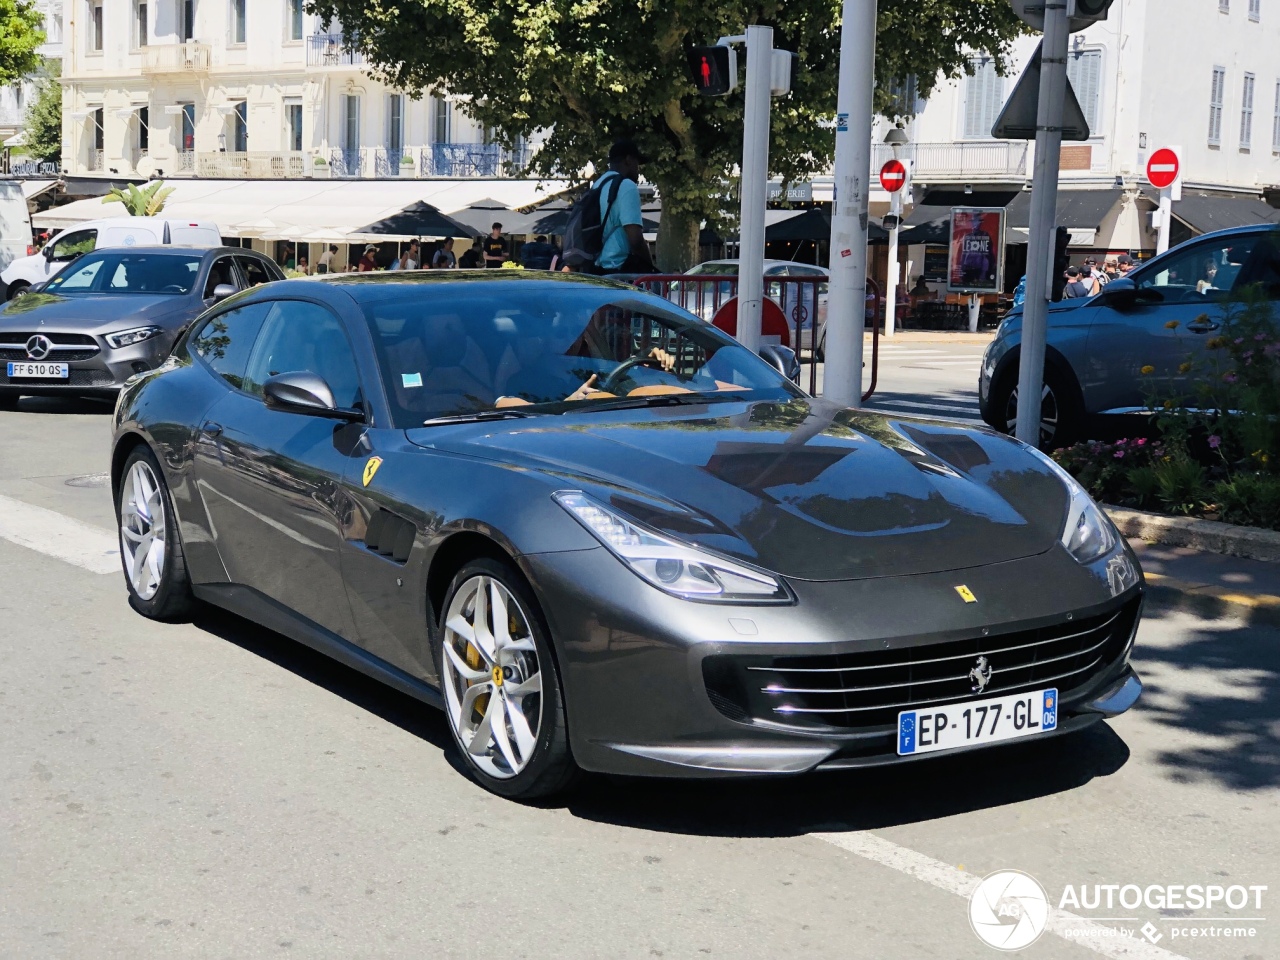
(155, 569)
(1049, 416)
(500, 684)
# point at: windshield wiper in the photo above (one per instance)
(657, 400)
(478, 417)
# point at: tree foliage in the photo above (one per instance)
(42, 127)
(145, 202)
(20, 37)
(589, 71)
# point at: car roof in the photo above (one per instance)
(176, 250)
(366, 285)
(1236, 232)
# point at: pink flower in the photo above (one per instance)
(1142, 442)
(1259, 336)
(1215, 442)
(1119, 454)
(1229, 378)
(1238, 340)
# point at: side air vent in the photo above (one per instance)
(390, 535)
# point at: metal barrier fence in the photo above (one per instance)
(802, 302)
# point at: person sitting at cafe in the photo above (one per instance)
(368, 262)
(921, 289)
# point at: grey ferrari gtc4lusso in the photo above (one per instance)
(601, 535)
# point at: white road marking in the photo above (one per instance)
(1081, 931)
(926, 406)
(85, 545)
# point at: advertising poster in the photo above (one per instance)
(977, 250)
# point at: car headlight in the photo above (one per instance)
(1088, 533)
(127, 338)
(673, 567)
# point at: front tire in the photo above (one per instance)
(501, 685)
(1061, 415)
(16, 288)
(155, 569)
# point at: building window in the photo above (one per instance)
(1217, 96)
(1246, 113)
(295, 19)
(1255, 10)
(139, 24)
(237, 21)
(903, 97)
(240, 128)
(1224, 6)
(350, 122)
(144, 129)
(1084, 70)
(395, 127)
(95, 26)
(293, 123)
(439, 120)
(1275, 121)
(983, 98)
(187, 19)
(188, 127)
(96, 117)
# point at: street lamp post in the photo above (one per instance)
(896, 139)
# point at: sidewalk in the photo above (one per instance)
(1210, 584)
(981, 338)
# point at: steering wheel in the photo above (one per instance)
(173, 288)
(616, 374)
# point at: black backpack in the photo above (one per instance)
(584, 233)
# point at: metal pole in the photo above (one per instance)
(1044, 213)
(846, 303)
(1166, 219)
(891, 297)
(754, 186)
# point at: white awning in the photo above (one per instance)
(33, 188)
(244, 207)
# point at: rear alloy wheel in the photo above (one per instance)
(155, 570)
(501, 687)
(1060, 421)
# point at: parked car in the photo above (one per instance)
(786, 296)
(113, 314)
(1161, 315)
(26, 272)
(600, 534)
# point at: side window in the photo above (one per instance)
(1203, 271)
(254, 271)
(71, 245)
(226, 340)
(1264, 267)
(222, 271)
(301, 337)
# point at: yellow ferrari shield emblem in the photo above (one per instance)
(370, 468)
(966, 594)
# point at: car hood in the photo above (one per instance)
(804, 488)
(92, 314)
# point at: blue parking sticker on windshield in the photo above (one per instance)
(411, 379)
(1049, 718)
(907, 733)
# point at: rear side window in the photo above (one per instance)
(301, 337)
(221, 272)
(226, 340)
(255, 271)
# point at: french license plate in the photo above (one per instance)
(977, 722)
(37, 370)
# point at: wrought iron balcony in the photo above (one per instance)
(267, 164)
(330, 50)
(991, 159)
(176, 58)
(471, 160)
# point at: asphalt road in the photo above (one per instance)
(213, 790)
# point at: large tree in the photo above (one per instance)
(20, 37)
(42, 127)
(588, 71)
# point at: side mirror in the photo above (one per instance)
(305, 393)
(47, 252)
(782, 359)
(222, 291)
(1121, 293)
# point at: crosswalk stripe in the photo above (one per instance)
(927, 406)
(85, 545)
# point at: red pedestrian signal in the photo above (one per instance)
(714, 70)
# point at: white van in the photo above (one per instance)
(15, 223)
(114, 232)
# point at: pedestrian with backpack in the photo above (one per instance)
(1076, 288)
(604, 234)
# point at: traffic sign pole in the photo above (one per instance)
(1164, 171)
(1166, 217)
(893, 177)
(754, 187)
(846, 301)
(1044, 207)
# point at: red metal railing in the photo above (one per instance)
(802, 302)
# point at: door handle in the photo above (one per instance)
(1203, 326)
(211, 429)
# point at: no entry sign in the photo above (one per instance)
(1163, 168)
(893, 175)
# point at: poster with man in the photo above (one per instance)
(977, 250)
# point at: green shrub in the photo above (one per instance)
(1182, 486)
(1249, 498)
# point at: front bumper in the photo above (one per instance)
(640, 676)
(95, 367)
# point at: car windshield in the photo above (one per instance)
(553, 348)
(715, 269)
(121, 273)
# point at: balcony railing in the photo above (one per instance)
(186, 161)
(329, 50)
(171, 58)
(96, 159)
(979, 160)
(266, 165)
(470, 160)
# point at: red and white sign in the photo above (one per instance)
(893, 175)
(1163, 168)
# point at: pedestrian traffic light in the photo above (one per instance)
(714, 70)
(1088, 9)
(1080, 13)
(1061, 260)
